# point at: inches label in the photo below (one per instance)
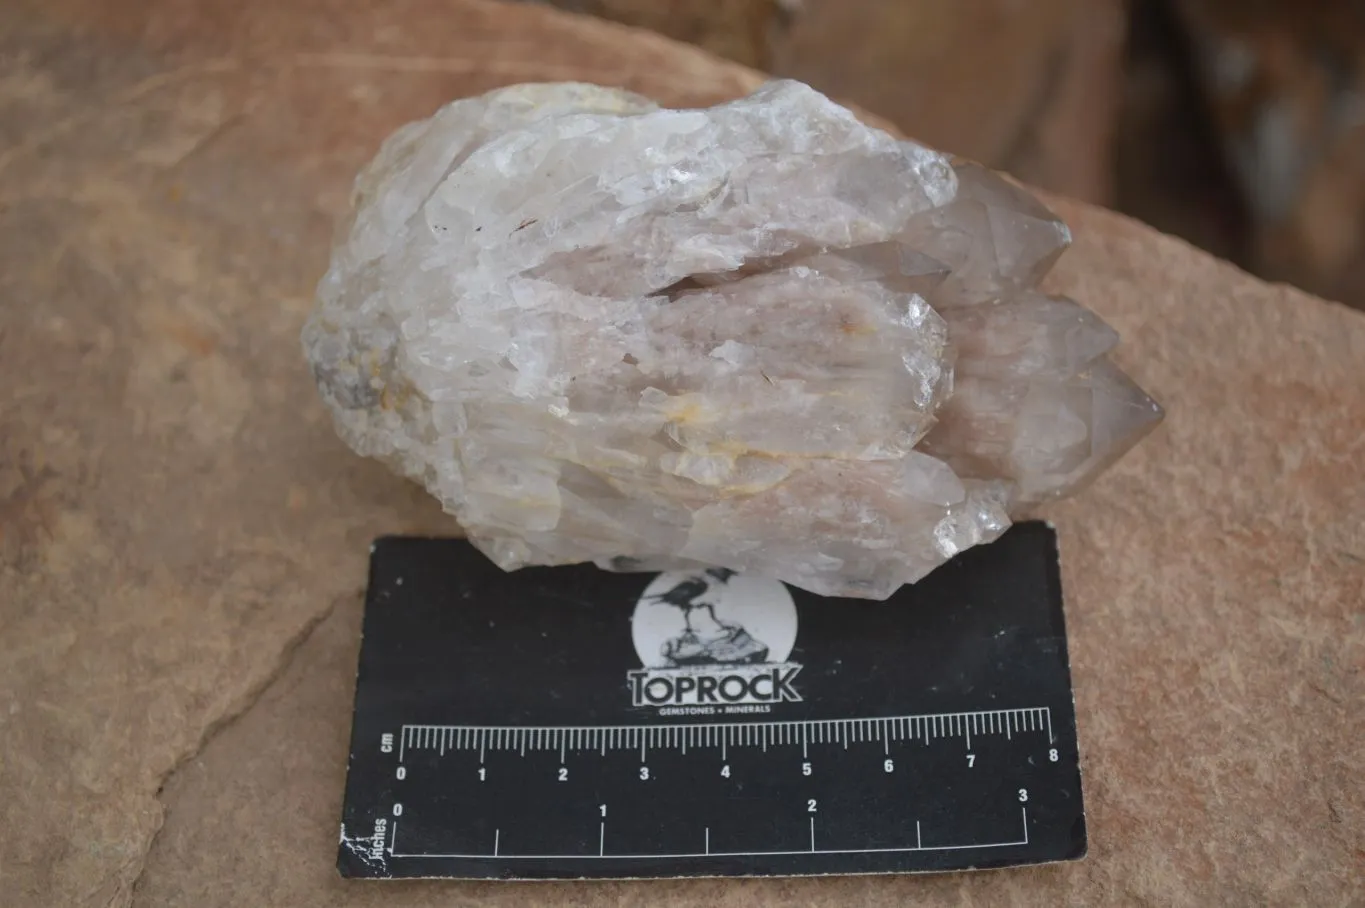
(569, 722)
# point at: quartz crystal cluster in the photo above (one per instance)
(760, 336)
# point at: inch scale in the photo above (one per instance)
(709, 788)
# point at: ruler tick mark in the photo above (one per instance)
(919, 842)
(601, 839)
(812, 833)
(497, 834)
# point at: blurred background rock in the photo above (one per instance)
(1236, 124)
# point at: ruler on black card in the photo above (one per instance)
(568, 722)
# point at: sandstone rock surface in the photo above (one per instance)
(183, 539)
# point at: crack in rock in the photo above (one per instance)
(124, 897)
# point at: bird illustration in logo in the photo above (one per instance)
(706, 639)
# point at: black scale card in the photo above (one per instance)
(569, 722)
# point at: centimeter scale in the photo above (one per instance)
(570, 722)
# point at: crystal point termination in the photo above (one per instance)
(761, 336)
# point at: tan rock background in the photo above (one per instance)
(183, 540)
(1026, 87)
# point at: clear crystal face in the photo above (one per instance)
(760, 336)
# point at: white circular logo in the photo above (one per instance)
(713, 617)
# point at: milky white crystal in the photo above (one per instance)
(760, 336)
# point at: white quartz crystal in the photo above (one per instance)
(760, 336)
